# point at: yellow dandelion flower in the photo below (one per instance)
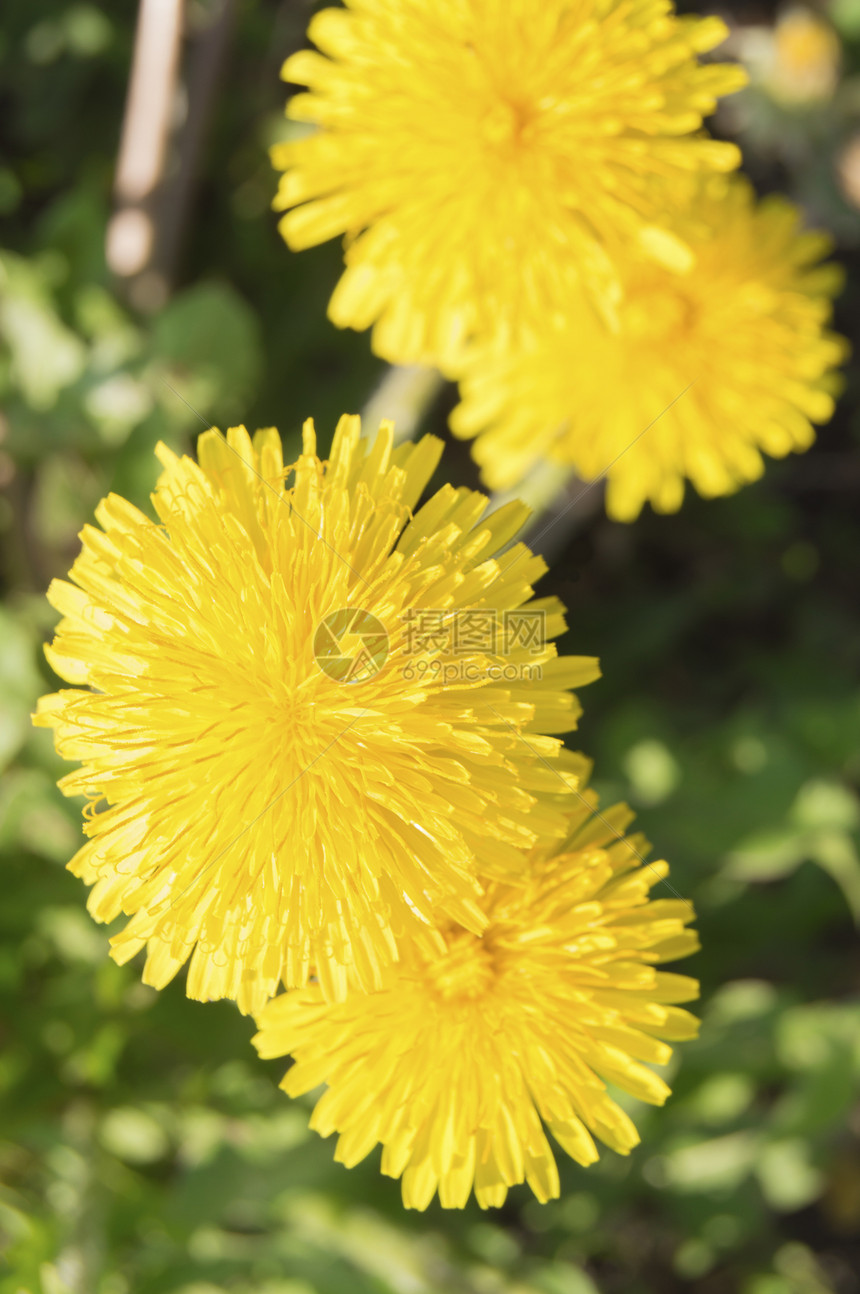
(477, 154)
(705, 371)
(462, 1058)
(250, 804)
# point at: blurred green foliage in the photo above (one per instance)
(143, 1147)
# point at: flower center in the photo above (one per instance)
(503, 123)
(658, 312)
(466, 971)
(295, 727)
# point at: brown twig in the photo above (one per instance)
(146, 130)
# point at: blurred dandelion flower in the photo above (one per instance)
(805, 57)
(482, 155)
(457, 1061)
(245, 807)
(705, 370)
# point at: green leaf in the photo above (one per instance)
(720, 1164)
(134, 1135)
(787, 1178)
(837, 855)
(20, 684)
(822, 804)
(46, 356)
(208, 339)
(766, 856)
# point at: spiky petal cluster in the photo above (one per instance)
(460, 1060)
(244, 807)
(483, 156)
(705, 371)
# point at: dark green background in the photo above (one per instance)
(143, 1148)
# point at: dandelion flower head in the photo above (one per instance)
(482, 156)
(706, 370)
(247, 809)
(464, 1060)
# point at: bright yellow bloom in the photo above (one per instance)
(245, 807)
(479, 155)
(457, 1061)
(706, 369)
